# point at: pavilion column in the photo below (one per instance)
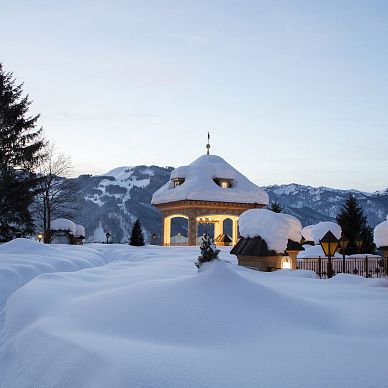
(192, 229)
(235, 231)
(166, 238)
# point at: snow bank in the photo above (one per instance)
(314, 252)
(381, 234)
(274, 228)
(148, 319)
(64, 224)
(199, 184)
(21, 260)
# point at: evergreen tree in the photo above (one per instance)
(276, 207)
(21, 146)
(209, 251)
(137, 238)
(354, 226)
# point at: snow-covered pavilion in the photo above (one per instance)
(208, 190)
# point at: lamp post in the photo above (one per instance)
(40, 236)
(343, 242)
(107, 234)
(329, 244)
(359, 243)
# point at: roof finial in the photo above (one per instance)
(208, 143)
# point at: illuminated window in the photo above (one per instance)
(223, 182)
(178, 181)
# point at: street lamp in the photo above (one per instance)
(329, 244)
(40, 236)
(107, 234)
(359, 243)
(343, 242)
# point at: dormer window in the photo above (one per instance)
(225, 183)
(178, 181)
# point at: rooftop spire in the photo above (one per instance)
(208, 143)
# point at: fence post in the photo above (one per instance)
(366, 267)
(319, 266)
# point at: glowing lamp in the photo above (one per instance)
(329, 244)
(40, 236)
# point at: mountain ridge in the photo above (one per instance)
(112, 202)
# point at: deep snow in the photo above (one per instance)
(144, 317)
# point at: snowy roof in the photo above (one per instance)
(64, 224)
(199, 184)
(381, 234)
(316, 232)
(274, 228)
(79, 230)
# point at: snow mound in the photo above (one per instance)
(380, 234)
(199, 184)
(307, 233)
(64, 224)
(213, 309)
(274, 228)
(316, 232)
(21, 260)
(320, 229)
(79, 230)
(314, 252)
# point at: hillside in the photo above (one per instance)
(112, 202)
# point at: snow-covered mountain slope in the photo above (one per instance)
(314, 204)
(112, 202)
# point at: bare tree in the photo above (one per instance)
(57, 195)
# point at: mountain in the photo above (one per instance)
(113, 201)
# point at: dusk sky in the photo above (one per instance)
(291, 91)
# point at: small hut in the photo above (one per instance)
(64, 231)
(270, 241)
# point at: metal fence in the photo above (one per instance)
(368, 267)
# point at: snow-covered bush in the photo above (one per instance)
(209, 251)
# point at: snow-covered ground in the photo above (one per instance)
(120, 316)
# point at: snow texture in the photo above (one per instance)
(199, 184)
(64, 224)
(144, 317)
(380, 234)
(274, 228)
(316, 232)
(148, 319)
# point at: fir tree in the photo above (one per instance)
(354, 226)
(276, 207)
(21, 146)
(137, 238)
(209, 251)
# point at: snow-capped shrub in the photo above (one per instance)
(209, 251)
